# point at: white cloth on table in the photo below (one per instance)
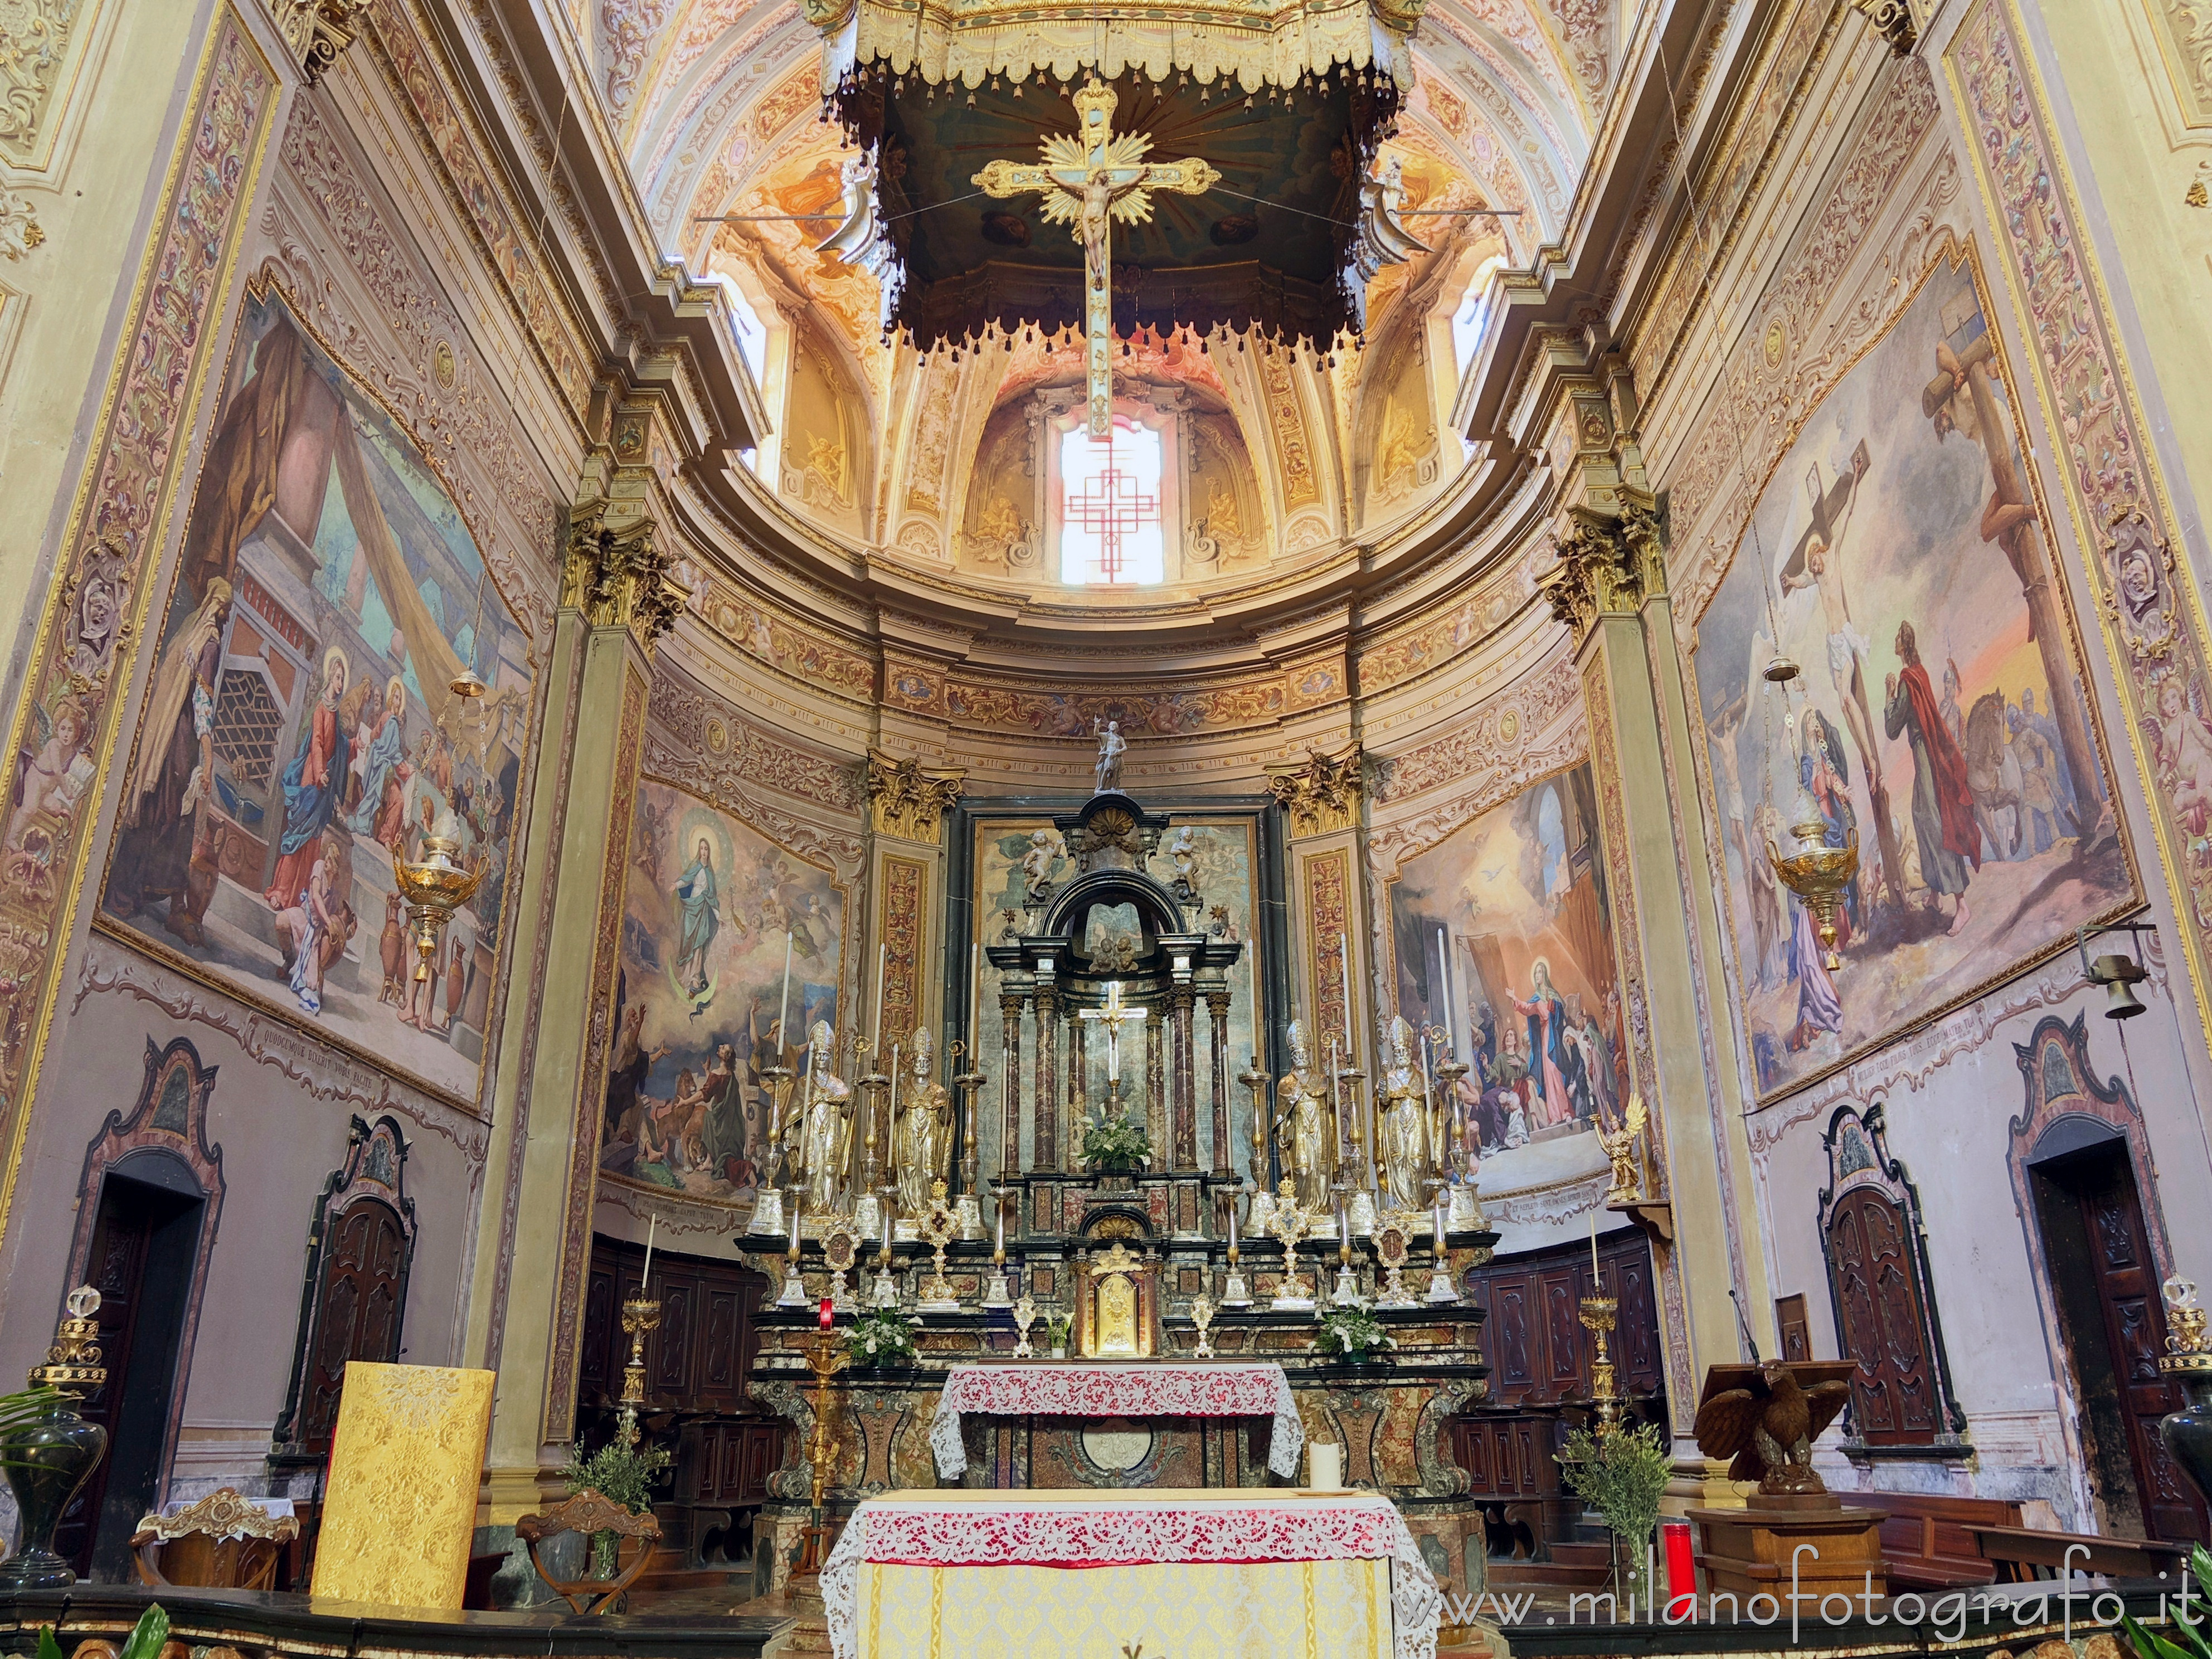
(1090, 1390)
(1134, 1529)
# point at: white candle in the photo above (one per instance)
(1443, 970)
(1344, 962)
(1343, 1226)
(794, 1224)
(974, 1003)
(887, 1208)
(883, 961)
(652, 1223)
(783, 1010)
(1002, 1228)
(1232, 1224)
(1596, 1289)
(1439, 1232)
(1325, 1466)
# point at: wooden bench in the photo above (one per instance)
(2023, 1555)
(1928, 1541)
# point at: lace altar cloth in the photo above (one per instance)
(1153, 1390)
(1133, 1527)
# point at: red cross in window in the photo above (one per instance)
(1109, 505)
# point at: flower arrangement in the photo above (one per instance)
(882, 1336)
(623, 1471)
(1622, 1476)
(1057, 1327)
(1354, 1336)
(1116, 1144)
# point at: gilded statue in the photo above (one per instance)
(1619, 1147)
(1303, 1128)
(823, 1126)
(921, 1140)
(1402, 1127)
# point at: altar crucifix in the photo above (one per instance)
(1089, 180)
(1114, 1016)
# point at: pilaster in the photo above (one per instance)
(618, 596)
(1322, 800)
(906, 804)
(1610, 587)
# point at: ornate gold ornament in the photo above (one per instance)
(317, 30)
(72, 1365)
(1598, 1314)
(1817, 873)
(1892, 21)
(906, 801)
(1322, 795)
(1089, 179)
(619, 576)
(1620, 1146)
(223, 1513)
(2187, 1348)
(641, 1316)
(939, 1226)
(1609, 563)
(1202, 1315)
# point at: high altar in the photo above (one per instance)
(1191, 1360)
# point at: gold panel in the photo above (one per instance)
(401, 1508)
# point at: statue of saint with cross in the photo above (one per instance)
(1089, 180)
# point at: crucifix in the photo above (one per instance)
(1114, 1016)
(1089, 180)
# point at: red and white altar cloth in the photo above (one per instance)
(1088, 1389)
(917, 1575)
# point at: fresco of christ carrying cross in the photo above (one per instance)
(1089, 180)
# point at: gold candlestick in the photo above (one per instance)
(1263, 1201)
(970, 1085)
(640, 1315)
(825, 1357)
(1598, 1314)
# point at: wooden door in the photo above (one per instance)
(1884, 1322)
(360, 1313)
(2135, 1335)
(118, 1271)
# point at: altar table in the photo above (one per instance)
(1211, 1574)
(1149, 1388)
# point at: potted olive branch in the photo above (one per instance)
(622, 1472)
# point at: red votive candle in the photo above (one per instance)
(825, 1313)
(1681, 1572)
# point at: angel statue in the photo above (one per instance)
(823, 1127)
(1036, 869)
(1768, 1426)
(1403, 1124)
(1302, 1125)
(1111, 744)
(1619, 1146)
(1182, 854)
(921, 1140)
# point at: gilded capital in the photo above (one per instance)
(909, 802)
(1892, 21)
(1321, 795)
(618, 575)
(317, 30)
(1609, 563)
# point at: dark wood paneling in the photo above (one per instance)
(697, 1360)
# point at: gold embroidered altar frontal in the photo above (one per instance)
(400, 1510)
(1251, 1610)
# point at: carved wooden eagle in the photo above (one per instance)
(1769, 1427)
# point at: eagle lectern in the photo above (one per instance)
(1766, 1416)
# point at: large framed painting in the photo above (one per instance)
(1901, 555)
(1502, 934)
(300, 732)
(1224, 872)
(711, 911)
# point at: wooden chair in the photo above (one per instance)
(225, 1541)
(589, 1513)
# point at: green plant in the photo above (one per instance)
(882, 1336)
(1622, 1477)
(147, 1639)
(622, 1472)
(1115, 1144)
(2193, 1644)
(1057, 1325)
(22, 1409)
(1354, 1336)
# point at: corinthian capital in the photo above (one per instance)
(1609, 562)
(317, 30)
(906, 801)
(1321, 795)
(618, 575)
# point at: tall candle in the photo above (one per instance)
(1232, 1223)
(783, 1010)
(794, 1222)
(1344, 964)
(1595, 1288)
(975, 1002)
(1439, 1226)
(1002, 1230)
(1443, 972)
(889, 1206)
(1343, 1226)
(652, 1225)
(883, 961)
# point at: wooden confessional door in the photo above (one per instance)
(2107, 1293)
(359, 1315)
(1884, 1326)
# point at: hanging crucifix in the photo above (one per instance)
(1113, 1016)
(1088, 181)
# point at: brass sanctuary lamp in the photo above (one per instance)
(1817, 872)
(49, 1459)
(438, 886)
